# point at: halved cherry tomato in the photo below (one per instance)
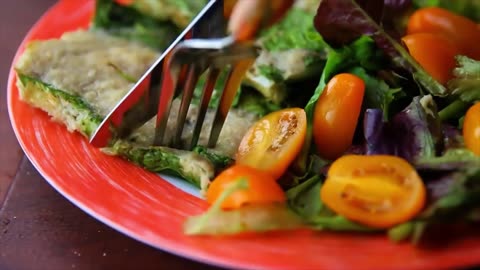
(461, 30)
(435, 53)
(336, 114)
(262, 188)
(379, 191)
(471, 129)
(124, 2)
(274, 141)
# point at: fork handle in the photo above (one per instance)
(248, 17)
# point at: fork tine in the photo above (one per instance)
(194, 73)
(206, 96)
(232, 84)
(171, 73)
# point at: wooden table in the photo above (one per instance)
(39, 229)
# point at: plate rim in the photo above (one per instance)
(165, 247)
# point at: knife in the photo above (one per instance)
(141, 103)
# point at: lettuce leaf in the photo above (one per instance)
(304, 200)
(342, 21)
(454, 199)
(378, 94)
(250, 218)
(410, 134)
(466, 83)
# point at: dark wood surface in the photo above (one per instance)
(39, 229)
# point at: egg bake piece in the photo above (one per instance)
(80, 77)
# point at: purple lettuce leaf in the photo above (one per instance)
(452, 137)
(453, 199)
(342, 21)
(411, 134)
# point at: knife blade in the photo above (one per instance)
(141, 103)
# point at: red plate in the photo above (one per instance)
(151, 210)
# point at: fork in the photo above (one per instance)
(202, 47)
(191, 58)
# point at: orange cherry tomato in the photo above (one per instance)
(336, 114)
(273, 142)
(435, 53)
(262, 188)
(379, 191)
(461, 30)
(471, 129)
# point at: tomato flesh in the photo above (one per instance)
(274, 141)
(262, 188)
(435, 53)
(461, 30)
(336, 114)
(471, 129)
(379, 191)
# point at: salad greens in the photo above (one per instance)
(405, 112)
(409, 134)
(304, 199)
(453, 197)
(288, 54)
(467, 79)
(256, 218)
(334, 22)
